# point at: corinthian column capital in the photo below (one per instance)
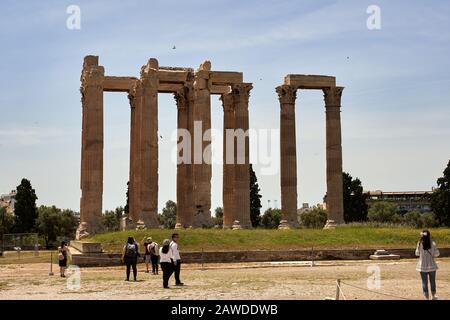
(227, 102)
(286, 94)
(332, 96)
(180, 98)
(241, 91)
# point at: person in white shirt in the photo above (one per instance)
(426, 250)
(166, 258)
(176, 258)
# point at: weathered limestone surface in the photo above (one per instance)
(193, 93)
(288, 150)
(184, 100)
(228, 161)
(287, 95)
(302, 81)
(149, 145)
(91, 147)
(202, 160)
(335, 204)
(241, 93)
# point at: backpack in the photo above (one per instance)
(130, 250)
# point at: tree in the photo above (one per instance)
(384, 212)
(417, 219)
(355, 206)
(168, 217)
(25, 210)
(218, 217)
(6, 222)
(271, 218)
(255, 199)
(315, 218)
(53, 222)
(440, 198)
(126, 209)
(111, 219)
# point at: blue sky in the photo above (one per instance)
(395, 106)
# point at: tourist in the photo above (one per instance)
(176, 258)
(130, 255)
(62, 257)
(153, 249)
(166, 260)
(147, 259)
(426, 251)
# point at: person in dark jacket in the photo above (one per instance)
(130, 256)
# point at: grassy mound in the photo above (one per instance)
(261, 239)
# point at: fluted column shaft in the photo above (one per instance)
(334, 199)
(228, 166)
(241, 95)
(149, 145)
(202, 148)
(92, 145)
(134, 195)
(288, 153)
(184, 102)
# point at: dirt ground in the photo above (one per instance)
(288, 280)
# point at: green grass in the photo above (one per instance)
(11, 257)
(261, 239)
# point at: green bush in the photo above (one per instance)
(384, 212)
(429, 220)
(315, 218)
(271, 218)
(417, 219)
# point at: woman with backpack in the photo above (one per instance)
(153, 249)
(426, 250)
(166, 257)
(130, 255)
(62, 257)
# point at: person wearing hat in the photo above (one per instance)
(153, 249)
(166, 256)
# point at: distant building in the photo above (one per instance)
(8, 201)
(305, 208)
(405, 200)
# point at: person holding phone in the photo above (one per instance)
(426, 250)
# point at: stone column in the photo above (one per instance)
(135, 97)
(149, 145)
(228, 160)
(241, 94)
(288, 156)
(334, 202)
(202, 147)
(91, 147)
(184, 178)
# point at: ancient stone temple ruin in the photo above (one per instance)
(287, 94)
(192, 91)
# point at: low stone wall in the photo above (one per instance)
(113, 259)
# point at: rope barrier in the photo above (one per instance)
(375, 292)
(339, 290)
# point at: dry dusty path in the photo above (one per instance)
(225, 281)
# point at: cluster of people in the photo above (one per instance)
(168, 256)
